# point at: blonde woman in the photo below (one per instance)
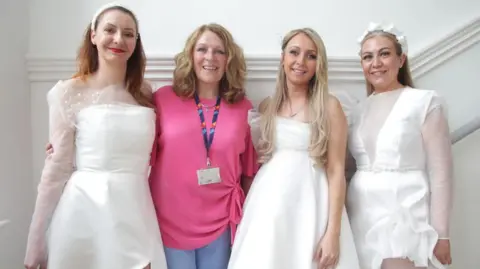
(294, 215)
(205, 160)
(399, 199)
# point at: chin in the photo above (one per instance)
(209, 79)
(298, 81)
(116, 58)
(377, 82)
(379, 85)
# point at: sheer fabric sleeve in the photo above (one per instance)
(436, 137)
(57, 169)
(348, 103)
(249, 156)
(254, 124)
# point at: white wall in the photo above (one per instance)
(16, 186)
(466, 214)
(456, 79)
(258, 25)
(443, 55)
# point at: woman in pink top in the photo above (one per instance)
(205, 153)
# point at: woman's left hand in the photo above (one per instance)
(327, 252)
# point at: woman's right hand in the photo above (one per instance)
(35, 259)
(36, 265)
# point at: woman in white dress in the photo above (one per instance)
(94, 186)
(399, 198)
(294, 215)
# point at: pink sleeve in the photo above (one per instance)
(250, 165)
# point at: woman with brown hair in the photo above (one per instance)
(93, 196)
(205, 161)
(399, 199)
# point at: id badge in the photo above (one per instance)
(208, 175)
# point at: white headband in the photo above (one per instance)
(102, 9)
(372, 27)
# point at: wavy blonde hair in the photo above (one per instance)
(318, 94)
(404, 76)
(232, 83)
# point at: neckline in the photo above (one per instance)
(388, 92)
(292, 120)
(208, 101)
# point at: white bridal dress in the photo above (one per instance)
(94, 187)
(286, 210)
(399, 199)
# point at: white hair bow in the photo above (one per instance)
(390, 28)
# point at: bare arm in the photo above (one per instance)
(335, 167)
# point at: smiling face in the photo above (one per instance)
(381, 62)
(299, 60)
(209, 59)
(115, 36)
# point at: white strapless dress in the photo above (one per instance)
(105, 218)
(286, 210)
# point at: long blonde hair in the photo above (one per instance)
(232, 83)
(318, 94)
(404, 76)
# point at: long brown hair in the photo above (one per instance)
(88, 63)
(232, 83)
(404, 76)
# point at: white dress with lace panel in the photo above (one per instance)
(94, 209)
(399, 199)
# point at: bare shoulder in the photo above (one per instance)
(336, 115)
(73, 84)
(147, 88)
(264, 104)
(334, 107)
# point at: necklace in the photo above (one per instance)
(293, 114)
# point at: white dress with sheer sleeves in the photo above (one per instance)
(399, 199)
(286, 210)
(94, 209)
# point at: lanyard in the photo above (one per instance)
(208, 140)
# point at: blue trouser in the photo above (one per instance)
(212, 256)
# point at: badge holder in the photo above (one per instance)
(209, 175)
